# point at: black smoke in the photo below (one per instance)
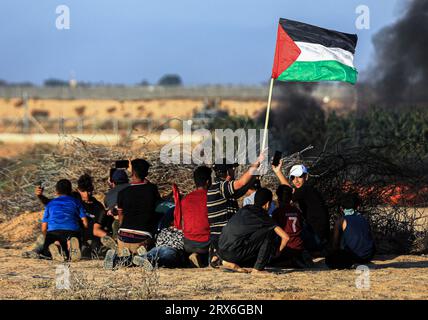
(400, 73)
(297, 119)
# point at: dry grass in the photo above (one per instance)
(391, 277)
(402, 277)
(107, 109)
(69, 160)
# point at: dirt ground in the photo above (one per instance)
(401, 277)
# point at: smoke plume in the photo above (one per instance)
(400, 73)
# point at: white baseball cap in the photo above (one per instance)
(298, 170)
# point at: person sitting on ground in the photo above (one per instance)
(192, 215)
(168, 251)
(353, 241)
(251, 192)
(100, 224)
(36, 250)
(316, 221)
(136, 207)
(289, 218)
(221, 199)
(119, 181)
(61, 224)
(251, 237)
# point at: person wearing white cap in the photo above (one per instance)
(316, 229)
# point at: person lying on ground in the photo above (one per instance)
(61, 224)
(191, 215)
(136, 209)
(316, 221)
(251, 237)
(221, 199)
(289, 218)
(353, 241)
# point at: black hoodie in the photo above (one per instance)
(248, 226)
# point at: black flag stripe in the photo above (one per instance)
(303, 32)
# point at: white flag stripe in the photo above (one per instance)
(316, 52)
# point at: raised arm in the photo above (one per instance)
(42, 198)
(246, 177)
(278, 172)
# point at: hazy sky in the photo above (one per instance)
(204, 41)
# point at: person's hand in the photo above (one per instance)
(278, 168)
(38, 191)
(110, 213)
(258, 161)
(129, 165)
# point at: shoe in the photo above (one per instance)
(110, 259)
(55, 252)
(142, 262)
(75, 254)
(124, 252)
(141, 251)
(194, 260)
(124, 258)
(108, 242)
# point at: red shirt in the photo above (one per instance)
(194, 216)
(290, 219)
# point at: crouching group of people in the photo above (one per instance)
(207, 227)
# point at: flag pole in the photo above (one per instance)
(267, 116)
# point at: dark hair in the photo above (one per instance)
(262, 197)
(222, 167)
(63, 187)
(284, 194)
(350, 201)
(220, 173)
(140, 168)
(201, 175)
(85, 183)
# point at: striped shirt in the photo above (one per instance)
(221, 205)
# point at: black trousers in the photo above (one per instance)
(191, 246)
(288, 258)
(62, 236)
(344, 259)
(256, 253)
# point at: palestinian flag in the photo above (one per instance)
(308, 53)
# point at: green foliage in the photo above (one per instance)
(405, 130)
(170, 80)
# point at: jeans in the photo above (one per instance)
(164, 257)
